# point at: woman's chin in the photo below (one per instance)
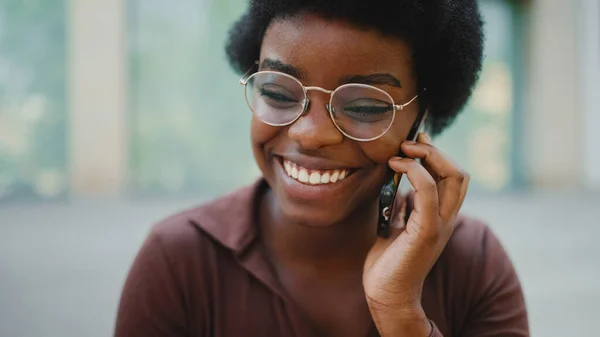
(312, 216)
(320, 215)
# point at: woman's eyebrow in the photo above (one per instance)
(380, 78)
(273, 64)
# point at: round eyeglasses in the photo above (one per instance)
(361, 112)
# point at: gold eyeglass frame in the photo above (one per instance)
(396, 107)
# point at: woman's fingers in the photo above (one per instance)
(452, 181)
(426, 194)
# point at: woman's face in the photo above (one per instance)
(326, 53)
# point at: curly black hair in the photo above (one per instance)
(446, 37)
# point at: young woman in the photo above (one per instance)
(335, 88)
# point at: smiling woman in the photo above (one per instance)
(336, 88)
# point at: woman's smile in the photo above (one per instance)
(314, 176)
(310, 178)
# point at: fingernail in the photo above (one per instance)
(409, 142)
(427, 137)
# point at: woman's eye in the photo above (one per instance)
(277, 96)
(277, 93)
(368, 109)
(371, 105)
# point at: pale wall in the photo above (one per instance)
(589, 26)
(98, 144)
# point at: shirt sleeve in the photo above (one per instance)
(499, 307)
(152, 300)
(435, 332)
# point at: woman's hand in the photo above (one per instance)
(396, 268)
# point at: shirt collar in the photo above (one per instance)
(231, 219)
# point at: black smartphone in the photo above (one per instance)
(389, 190)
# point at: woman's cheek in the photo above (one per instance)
(261, 133)
(264, 138)
(381, 150)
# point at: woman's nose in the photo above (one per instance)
(315, 129)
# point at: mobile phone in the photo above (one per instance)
(389, 190)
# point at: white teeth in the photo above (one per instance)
(303, 176)
(313, 177)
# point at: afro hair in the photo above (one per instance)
(446, 37)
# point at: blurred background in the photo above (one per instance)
(116, 113)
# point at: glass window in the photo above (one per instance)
(33, 107)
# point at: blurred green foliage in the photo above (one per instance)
(33, 104)
(189, 118)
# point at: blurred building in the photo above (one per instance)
(135, 97)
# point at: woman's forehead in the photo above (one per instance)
(316, 45)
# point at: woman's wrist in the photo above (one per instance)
(420, 328)
(391, 325)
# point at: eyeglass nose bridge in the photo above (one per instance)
(307, 100)
(307, 104)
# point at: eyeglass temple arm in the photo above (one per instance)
(244, 79)
(401, 106)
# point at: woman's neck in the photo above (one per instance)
(338, 246)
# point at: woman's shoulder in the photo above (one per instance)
(471, 235)
(474, 254)
(173, 276)
(473, 245)
(477, 279)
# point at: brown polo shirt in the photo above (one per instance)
(202, 273)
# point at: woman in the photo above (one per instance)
(335, 88)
